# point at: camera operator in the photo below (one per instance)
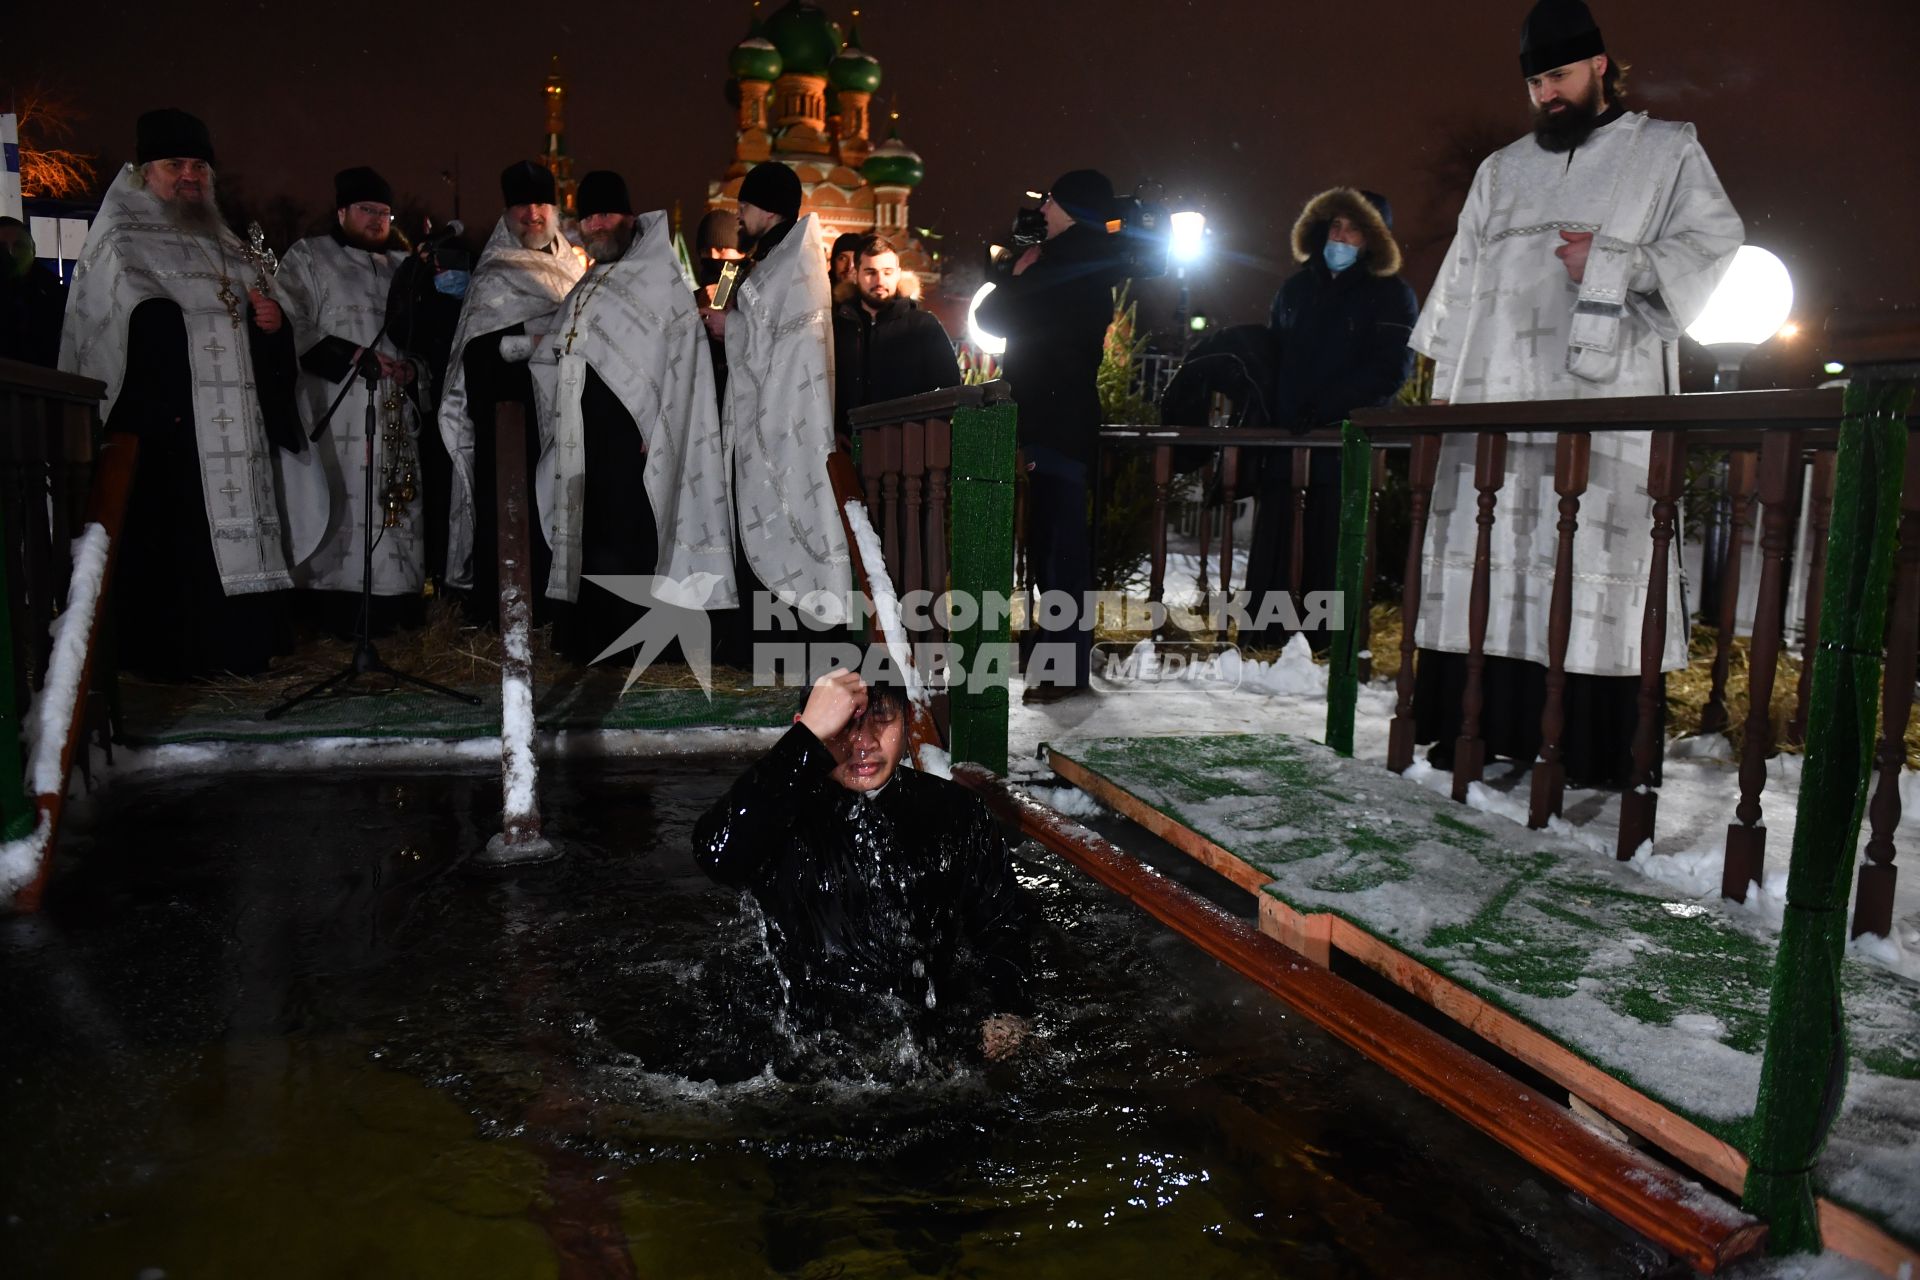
(1053, 308)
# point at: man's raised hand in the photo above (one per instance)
(836, 699)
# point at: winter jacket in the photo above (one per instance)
(1054, 316)
(1342, 339)
(905, 892)
(899, 351)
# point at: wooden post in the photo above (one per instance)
(1666, 471)
(1746, 837)
(984, 461)
(520, 839)
(1422, 465)
(1469, 749)
(1819, 517)
(1740, 482)
(1203, 585)
(1365, 604)
(1301, 476)
(1571, 453)
(1343, 667)
(1873, 904)
(939, 478)
(1229, 487)
(1157, 548)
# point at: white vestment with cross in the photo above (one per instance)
(1505, 322)
(779, 427)
(635, 323)
(136, 253)
(333, 290)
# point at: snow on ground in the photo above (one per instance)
(1699, 790)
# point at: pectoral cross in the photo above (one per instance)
(230, 300)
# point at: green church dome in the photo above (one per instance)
(854, 69)
(755, 58)
(805, 37)
(894, 164)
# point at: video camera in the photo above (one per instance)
(1141, 231)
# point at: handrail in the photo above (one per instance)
(17, 375)
(931, 404)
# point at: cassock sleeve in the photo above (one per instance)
(1441, 331)
(752, 824)
(274, 373)
(1671, 277)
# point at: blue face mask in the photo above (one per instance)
(453, 283)
(1340, 255)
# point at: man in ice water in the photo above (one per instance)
(878, 883)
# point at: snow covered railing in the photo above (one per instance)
(1775, 441)
(937, 473)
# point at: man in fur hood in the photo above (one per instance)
(1340, 326)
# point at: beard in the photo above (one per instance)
(538, 236)
(879, 299)
(611, 244)
(196, 217)
(1573, 124)
(361, 240)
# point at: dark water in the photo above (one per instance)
(271, 1026)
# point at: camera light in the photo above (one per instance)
(987, 342)
(1751, 303)
(1189, 235)
(1834, 366)
(1197, 324)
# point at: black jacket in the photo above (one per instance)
(907, 892)
(1342, 342)
(900, 351)
(33, 305)
(1054, 317)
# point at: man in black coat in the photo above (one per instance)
(884, 345)
(1340, 326)
(1053, 308)
(33, 302)
(884, 889)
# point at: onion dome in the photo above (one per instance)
(755, 58)
(853, 69)
(804, 36)
(893, 163)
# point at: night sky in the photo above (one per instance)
(1242, 108)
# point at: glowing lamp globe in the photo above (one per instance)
(1188, 236)
(1751, 304)
(987, 342)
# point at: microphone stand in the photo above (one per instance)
(365, 657)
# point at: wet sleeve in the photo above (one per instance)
(999, 918)
(753, 824)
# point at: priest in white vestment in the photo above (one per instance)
(1583, 251)
(778, 416)
(172, 312)
(524, 271)
(336, 288)
(632, 480)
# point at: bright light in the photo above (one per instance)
(1789, 330)
(1834, 366)
(1751, 304)
(1197, 324)
(987, 342)
(1189, 236)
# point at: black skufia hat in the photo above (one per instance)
(351, 186)
(602, 191)
(171, 134)
(772, 186)
(1086, 194)
(1555, 33)
(527, 183)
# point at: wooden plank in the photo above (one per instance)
(1846, 1232)
(1183, 838)
(1310, 935)
(1639, 1191)
(1691, 1145)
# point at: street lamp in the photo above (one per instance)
(987, 342)
(1749, 307)
(1187, 242)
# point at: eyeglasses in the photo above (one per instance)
(376, 212)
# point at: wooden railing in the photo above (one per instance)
(1773, 440)
(918, 475)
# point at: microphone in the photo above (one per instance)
(445, 231)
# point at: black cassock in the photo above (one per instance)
(172, 618)
(618, 533)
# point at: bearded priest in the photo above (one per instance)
(524, 271)
(337, 289)
(170, 311)
(633, 480)
(779, 411)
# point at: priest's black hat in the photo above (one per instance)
(1555, 33)
(527, 183)
(352, 186)
(602, 191)
(171, 134)
(772, 186)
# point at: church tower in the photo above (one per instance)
(555, 156)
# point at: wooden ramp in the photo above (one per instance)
(1339, 866)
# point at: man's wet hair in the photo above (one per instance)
(884, 681)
